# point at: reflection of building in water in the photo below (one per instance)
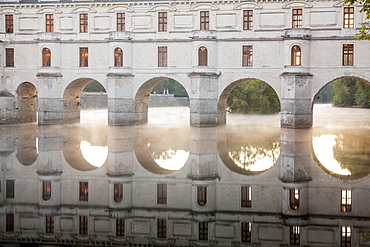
(205, 203)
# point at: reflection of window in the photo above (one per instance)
(118, 192)
(246, 232)
(201, 195)
(83, 23)
(9, 23)
(162, 56)
(46, 57)
(118, 57)
(84, 57)
(46, 190)
(203, 230)
(9, 188)
(346, 205)
(294, 196)
(84, 191)
(162, 21)
(246, 196)
(83, 225)
(202, 56)
(49, 224)
(49, 23)
(296, 55)
(204, 20)
(295, 235)
(345, 240)
(161, 228)
(9, 57)
(120, 227)
(297, 18)
(161, 193)
(121, 22)
(348, 18)
(248, 19)
(347, 55)
(247, 55)
(10, 222)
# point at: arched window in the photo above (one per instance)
(46, 190)
(46, 57)
(202, 56)
(296, 58)
(201, 195)
(118, 57)
(294, 198)
(118, 192)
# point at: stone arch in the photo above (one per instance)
(221, 105)
(26, 97)
(72, 99)
(142, 96)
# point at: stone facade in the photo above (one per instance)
(321, 35)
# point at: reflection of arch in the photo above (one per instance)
(27, 103)
(72, 98)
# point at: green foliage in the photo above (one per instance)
(362, 95)
(253, 97)
(173, 88)
(365, 237)
(94, 86)
(325, 95)
(349, 92)
(365, 32)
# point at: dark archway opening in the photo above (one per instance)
(27, 103)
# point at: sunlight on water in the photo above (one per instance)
(324, 150)
(95, 155)
(172, 160)
(94, 117)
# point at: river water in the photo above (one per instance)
(168, 184)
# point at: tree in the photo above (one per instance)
(362, 95)
(173, 87)
(365, 32)
(344, 92)
(94, 86)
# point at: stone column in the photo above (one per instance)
(203, 99)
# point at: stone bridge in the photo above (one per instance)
(52, 49)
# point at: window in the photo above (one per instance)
(46, 57)
(294, 235)
(84, 57)
(346, 205)
(246, 196)
(46, 190)
(247, 55)
(348, 18)
(297, 18)
(347, 55)
(84, 23)
(246, 232)
(49, 23)
(248, 19)
(9, 57)
(9, 24)
(162, 56)
(162, 21)
(296, 56)
(294, 198)
(161, 193)
(120, 227)
(201, 195)
(204, 20)
(118, 192)
(118, 57)
(345, 240)
(9, 188)
(49, 224)
(202, 56)
(10, 222)
(203, 230)
(120, 22)
(84, 191)
(161, 228)
(83, 225)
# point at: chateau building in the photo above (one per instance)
(51, 50)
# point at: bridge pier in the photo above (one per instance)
(203, 99)
(296, 104)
